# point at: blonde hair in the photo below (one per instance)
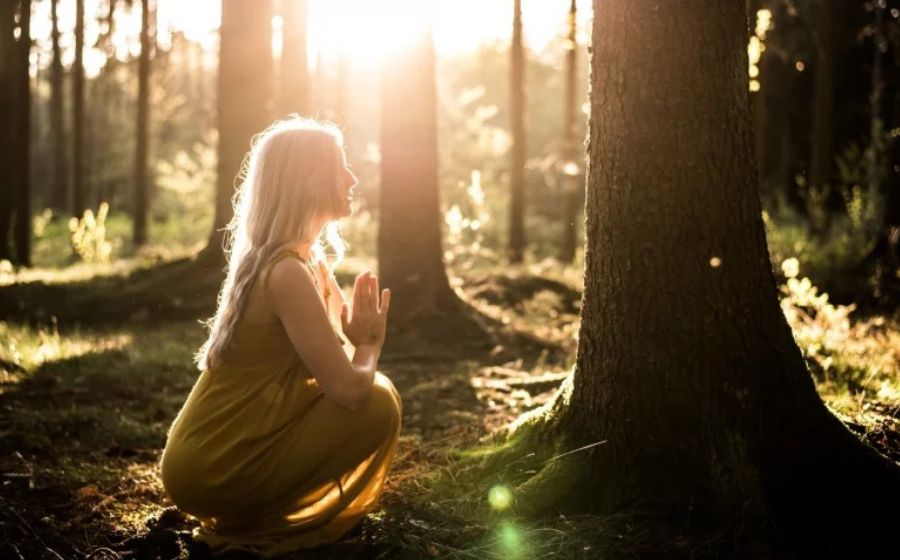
(289, 180)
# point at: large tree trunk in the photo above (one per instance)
(686, 367)
(143, 132)
(22, 145)
(294, 71)
(78, 114)
(8, 60)
(572, 164)
(518, 149)
(245, 98)
(410, 255)
(818, 190)
(60, 176)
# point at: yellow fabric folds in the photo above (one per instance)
(265, 460)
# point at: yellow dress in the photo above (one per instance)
(265, 460)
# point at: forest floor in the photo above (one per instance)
(87, 394)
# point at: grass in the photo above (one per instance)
(85, 409)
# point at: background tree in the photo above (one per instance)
(518, 148)
(570, 160)
(686, 368)
(22, 145)
(60, 177)
(7, 124)
(822, 157)
(143, 133)
(245, 97)
(78, 152)
(294, 71)
(410, 253)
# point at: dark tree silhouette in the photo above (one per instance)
(686, 367)
(245, 97)
(22, 145)
(822, 141)
(410, 255)
(142, 130)
(7, 124)
(78, 156)
(294, 71)
(60, 176)
(518, 149)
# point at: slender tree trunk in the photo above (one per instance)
(410, 254)
(245, 97)
(518, 149)
(686, 366)
(60, 198)
(571, 161)
(758, 104)
(143, 132)
(294, 72)
(818, 189)
(78, 114)
(8, 60)
(22, 146)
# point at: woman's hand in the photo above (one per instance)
(365, 324)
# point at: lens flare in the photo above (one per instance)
(499, 497)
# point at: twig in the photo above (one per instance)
(588, 446)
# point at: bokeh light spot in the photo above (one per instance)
(499, 497)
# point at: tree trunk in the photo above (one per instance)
(571, 162)
(686, 366)
(8, 60)
(819, 190)
(78, 114)
(410, 255)
(143, 133)
(517, 131)
(60, 175)
(294, 72)
(245, 97)
(22, 145)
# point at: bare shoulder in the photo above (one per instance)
(288, 279)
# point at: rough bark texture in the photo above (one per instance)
(410, 254)
(60, 185)
(570, 148)
(517, 130)
(78, 114)
(244, 99)
(686, 365)
(294, 71)
(22, 143)
(143, 130)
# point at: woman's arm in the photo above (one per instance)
(292, 294)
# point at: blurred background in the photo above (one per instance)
(823, 82)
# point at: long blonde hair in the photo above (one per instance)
(289, 181)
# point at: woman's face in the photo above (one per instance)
(346, 181)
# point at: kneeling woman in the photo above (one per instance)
(285, 440)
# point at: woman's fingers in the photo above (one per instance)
(385, 301)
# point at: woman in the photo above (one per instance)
(285, 440)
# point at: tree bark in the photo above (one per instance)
(410, 254)
(60, 175)
(78, 114)
(686, 366)
(143, 130)
(245, 97)
(518, 149)
(294, 71)
(570, 148)
(22, 145)
(821, 159)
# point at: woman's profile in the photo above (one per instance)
(288, 433)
